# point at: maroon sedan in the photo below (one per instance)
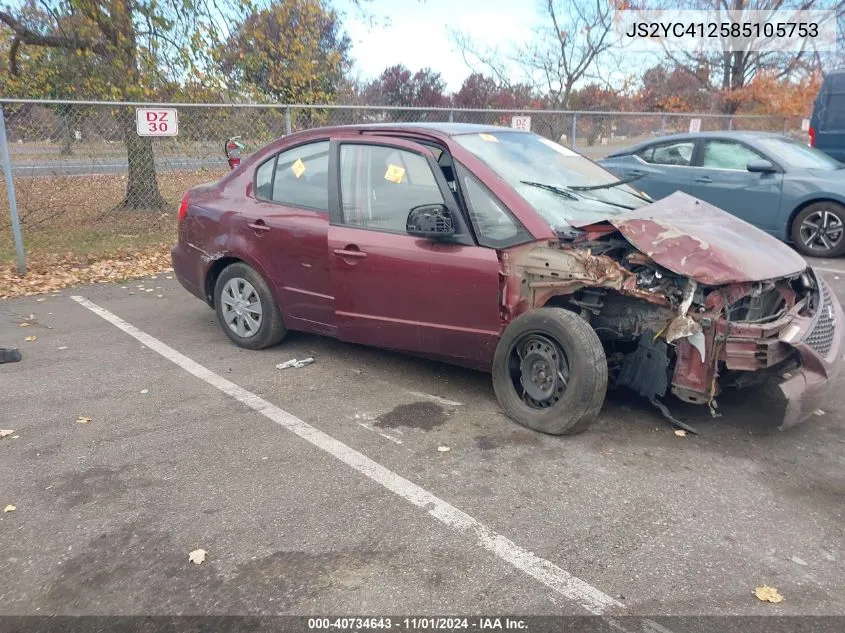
(503, 251)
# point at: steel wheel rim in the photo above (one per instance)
(241, 307)
(821, 230)
(538, 369)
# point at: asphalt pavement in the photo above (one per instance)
(328, 489)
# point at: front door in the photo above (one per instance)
(393, 290)
(722, 179)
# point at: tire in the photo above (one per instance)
(237, 288)
(583, 366)
(820, 214)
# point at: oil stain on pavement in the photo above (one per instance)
(417, 415)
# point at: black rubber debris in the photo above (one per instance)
(9, 355)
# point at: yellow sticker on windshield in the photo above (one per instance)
(489, 137)
(394, 174)
(298, 168)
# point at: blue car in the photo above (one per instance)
(782, 186)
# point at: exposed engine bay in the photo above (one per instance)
(664, 332)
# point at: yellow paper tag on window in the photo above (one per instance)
(394, 174)
(298, 168)
(489, 137)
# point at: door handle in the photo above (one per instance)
(258, 226)
(704, 179)
(350, 250)
(636, 172)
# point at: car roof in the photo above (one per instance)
(739, 135)
(439, 128)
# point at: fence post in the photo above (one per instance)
(662, 125)
(785, 125)
(10, 193)
(287, 121)
(451, 116)
(574, 128)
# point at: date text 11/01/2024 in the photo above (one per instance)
(417, 624)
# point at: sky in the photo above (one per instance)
(418, 34)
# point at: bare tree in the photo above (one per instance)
(725, 73)
(568, 43)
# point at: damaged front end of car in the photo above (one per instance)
(679, 314)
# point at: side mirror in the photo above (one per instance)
(431, 221)
(760, 166)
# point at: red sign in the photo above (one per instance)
(156, 122)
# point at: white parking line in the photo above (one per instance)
(555, 578)
(829, 270)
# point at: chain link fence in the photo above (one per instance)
(86, 183)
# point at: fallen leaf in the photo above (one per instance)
(145, 391)
(818, 412)
(41, 299)
(9, 508)
(24, 324)
(680, 433)
(30, 339)
(443, 449)
(160, 296)
(83, 419)
(149, 289)
(63, 347)
(5, 432)
(197, 557)
(798, 561)
(768, 594)
(31, 317)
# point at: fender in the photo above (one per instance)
(787, 215)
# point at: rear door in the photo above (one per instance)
(394, 290)
(291, 191)
(662, 168)
(720, 177)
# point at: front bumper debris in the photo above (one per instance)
(805, 350)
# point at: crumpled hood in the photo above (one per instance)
(695, 239)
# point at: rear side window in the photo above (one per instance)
(298, 177)
(678, 153)
(264, 179)
(834, 111)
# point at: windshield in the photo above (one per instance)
(797, 155)
(526, 160)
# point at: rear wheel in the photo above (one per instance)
(550, 372)
(819, 230)
(246, 309)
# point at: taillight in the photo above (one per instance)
(183, 208)
(812, 137)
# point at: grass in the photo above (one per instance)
(73, 233)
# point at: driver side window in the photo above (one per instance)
(379, 185)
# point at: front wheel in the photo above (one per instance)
(819, 230)
(550, 372)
